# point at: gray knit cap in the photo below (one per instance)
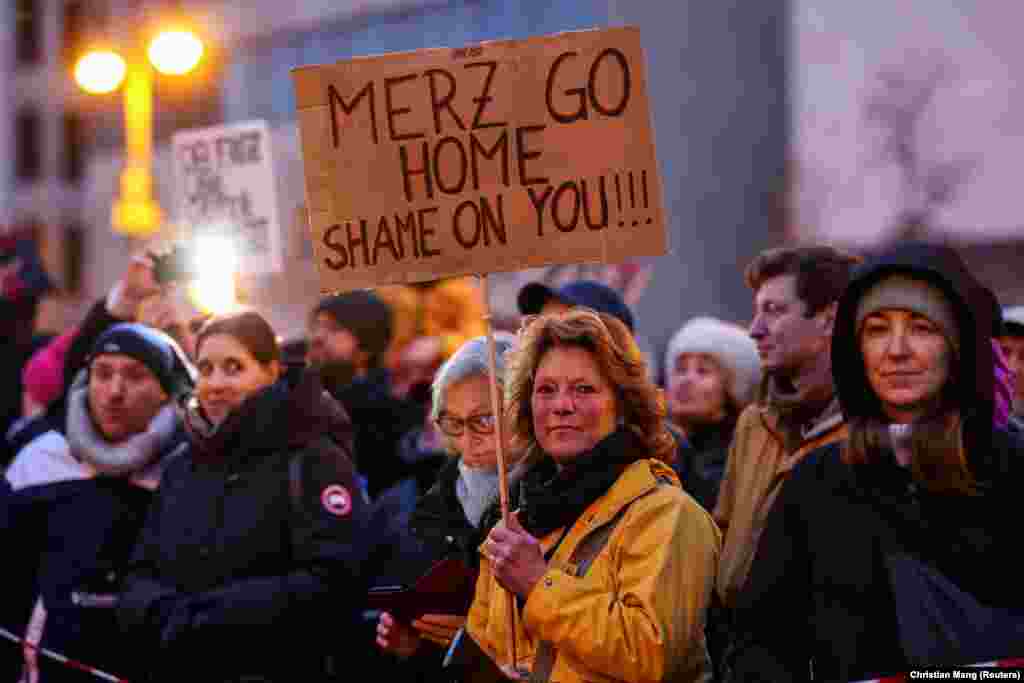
(906, 293)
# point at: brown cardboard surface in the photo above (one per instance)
(505, 127)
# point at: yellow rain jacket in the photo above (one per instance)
(638, 614)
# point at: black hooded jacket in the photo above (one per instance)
(820, 596)
(255, 540)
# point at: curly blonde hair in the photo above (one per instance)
(641, 404)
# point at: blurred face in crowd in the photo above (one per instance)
(697, 390)
(468, 422)
(1013, 349)
(788, 342)
(329, 342)
(574, 406)
(124, 395)
(229, 374)
(907, 362)
(554, 306)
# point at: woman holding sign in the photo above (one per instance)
(611, 563)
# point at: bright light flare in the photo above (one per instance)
(100, 72)
(216, 262)
(215, 254)
(175, 52)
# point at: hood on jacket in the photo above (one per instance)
(291, 413)
(942, 267)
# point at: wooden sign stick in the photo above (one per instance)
(499, 433)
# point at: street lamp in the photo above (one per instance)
(100, 72)
(174, 52)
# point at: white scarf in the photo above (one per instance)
(902, 437)
(477, 489)
(129, 456)
(83, 453)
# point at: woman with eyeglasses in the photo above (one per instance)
(452, 518)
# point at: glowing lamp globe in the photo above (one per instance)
(100, 72)
(174, 53)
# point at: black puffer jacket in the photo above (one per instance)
(701, 458)
(255, 541)
(380, 421)
(820, 596)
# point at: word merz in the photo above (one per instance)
(434, 88)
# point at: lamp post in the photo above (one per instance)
(174, 52)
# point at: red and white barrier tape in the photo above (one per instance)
(56, 656)
(1000, 664)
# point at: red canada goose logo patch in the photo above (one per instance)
(336, 500)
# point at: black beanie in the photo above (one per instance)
(362, 313)
(154, 349)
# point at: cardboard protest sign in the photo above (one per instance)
(496, 157)
(224, 183)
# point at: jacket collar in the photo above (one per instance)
(637, 480)
(825, 421)
(828, 420)
(289, 414)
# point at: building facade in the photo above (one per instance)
(716, 75)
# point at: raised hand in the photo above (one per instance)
(517, 561)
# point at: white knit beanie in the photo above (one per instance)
(1014, 315)
(728, 344)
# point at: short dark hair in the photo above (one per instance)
(822, 273)
(366, 316)
(294, 351)
(250, 329)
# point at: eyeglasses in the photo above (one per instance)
(456, 426)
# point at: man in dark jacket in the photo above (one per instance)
(77, 497)
(348, 337)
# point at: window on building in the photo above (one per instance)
(28, 158)
(75, 26)
(74, 257)
(28, 36)
(73, 160)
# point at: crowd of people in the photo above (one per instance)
(823, 494)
